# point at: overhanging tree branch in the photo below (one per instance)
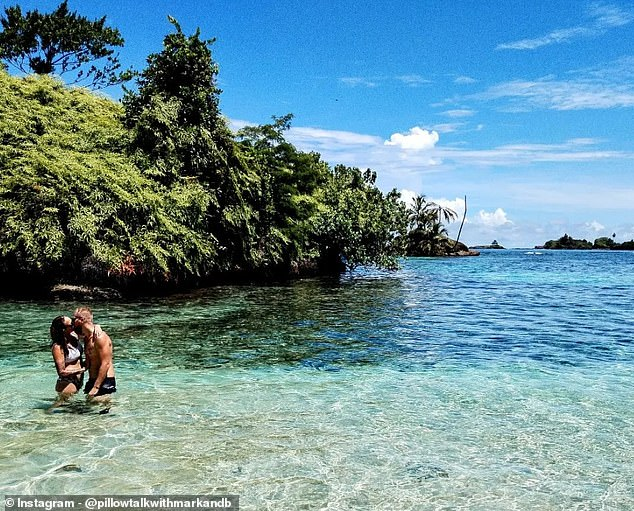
(63, 43)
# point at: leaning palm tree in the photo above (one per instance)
(464, 217)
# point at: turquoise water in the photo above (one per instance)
(500, 382)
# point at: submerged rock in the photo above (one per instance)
(69, 468)
(423, 472)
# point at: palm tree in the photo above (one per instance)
(427, 232)
(436, 237)
(443, 213)
(421, 213)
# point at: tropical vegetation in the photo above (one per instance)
(62, 42)
(157, 190)
(427, 233)
(603, 243)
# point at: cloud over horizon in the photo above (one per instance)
(494, 219)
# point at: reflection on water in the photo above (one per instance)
(498, 382)
(250, 327)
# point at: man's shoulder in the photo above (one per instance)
(100, 334)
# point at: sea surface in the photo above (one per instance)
(499, 382)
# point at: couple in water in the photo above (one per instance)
(67, 351)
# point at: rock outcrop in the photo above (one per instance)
(83, 293)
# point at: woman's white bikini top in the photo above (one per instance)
(74, 354)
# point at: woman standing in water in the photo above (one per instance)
(67, 354)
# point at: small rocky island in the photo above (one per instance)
(494, 245)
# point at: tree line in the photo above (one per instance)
(157, 190)
(567, 242)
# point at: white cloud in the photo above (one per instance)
(583, 141)
(601, 18)
(557, 36)
(464, 80)
(595, 226)
(574, 196)
(562, 94)
(608, 16)
(495, 219)
(421, 151)
(407, 196)
(607, 85)
(625, 233)
(356, 81)
(464, 112)
(404, 169)
(339, 138)
(619, 71)
(448, 127)
(413, 80)
(335, 146)
(417, 139)
(238, 124)
(411, 170)
(575, 150)
(456, 205)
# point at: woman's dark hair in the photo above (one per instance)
(57, 333)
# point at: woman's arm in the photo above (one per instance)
(58, 357)
(60, 364)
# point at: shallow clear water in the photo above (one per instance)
(500, 382)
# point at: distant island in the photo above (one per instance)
(494, 244)
(569, 243)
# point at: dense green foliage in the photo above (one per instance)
(358, 222)
(61, 42)
(179, 136)
(603, 243)
(72, 205)
(160, 191)
(567, 242)
(286, 195)
(626, 245)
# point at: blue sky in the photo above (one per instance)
(527, 108)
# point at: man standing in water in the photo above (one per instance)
(98, 349)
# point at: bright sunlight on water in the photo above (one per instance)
(500, 382)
